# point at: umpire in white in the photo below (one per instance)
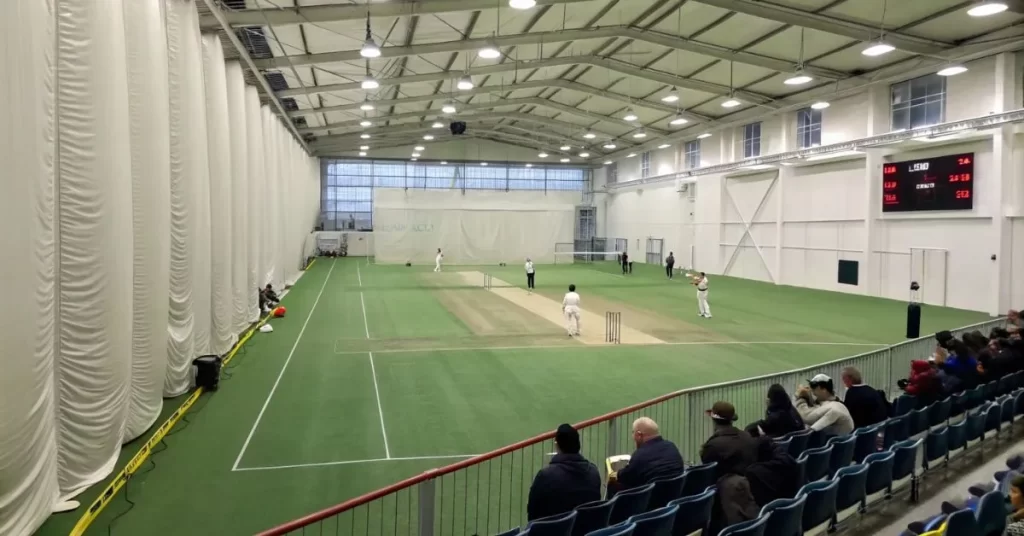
(529, 274)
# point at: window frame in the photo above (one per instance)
(752, 140)
(918, 102)
(691, 154)
(645, 164)
(808, 128)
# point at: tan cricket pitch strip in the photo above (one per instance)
(591, 324)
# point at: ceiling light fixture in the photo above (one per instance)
(364, 147)
(952, 70)
(607, 162)
(362, 153)
(630, 155)
(589, 135)
(366, 106)
(444, 162)
(564, 160)
(820, 105)
(984, 9)
(679, 120)
(418, 148)
(630, 115)
(413, 159)
(438, 124)
(878, 48)
(529, 165)
(364, 136)
(564, 148)
(415, 155)
(704, 136)
(664, 146)
(672, 96)
(731, 103)
(521, 4)
(365, 123)
(490, 51)
(483, 163)
(465, 83)
(369, 48)
(448, 108)
(798, 79)
(584, 154)
(542, 154)
(609, 145)
(369, 83)
(428, 137)
(640, 134)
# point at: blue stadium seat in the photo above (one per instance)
(936, 448)
(618, 530)
(866, 442)
(852, 491)
(592, 516)
(798, 442)
(786, 516)
(630, 503)
(754, 527)
(820, 506)
(904, 405)
(816, 463)
(904, 466)
(957, 438)
(665, 490)
(654, 523)
(976, 397)
(699, 478)
(816, 440)
(694, 513)
(961, 523)
(879, 479)
(918, 421)
(1006, 410)
(991, 514)
(1004, 385)
(510, 532)
(801, 470)
(991, 390)
(896, 430)
(958, 404)
(939, 414)
(783, 443)
(559, 525)
(993, 419)
(842, 452)
(1015, 462)
(975, 427)
(1018, 405)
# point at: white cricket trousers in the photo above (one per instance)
(437, 266)
(702, 303)
(572, 320)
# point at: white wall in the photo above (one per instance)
(814, 214)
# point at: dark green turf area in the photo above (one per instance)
(320, 439)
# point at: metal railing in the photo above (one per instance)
(489, 493)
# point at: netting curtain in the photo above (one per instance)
(147, 194)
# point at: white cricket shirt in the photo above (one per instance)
(702, 284)
(529, 267)
(571, 299)
(439, 257)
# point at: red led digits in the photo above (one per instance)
(963, 194)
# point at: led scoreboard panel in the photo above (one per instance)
(941, 183)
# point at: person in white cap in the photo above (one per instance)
(821, 410)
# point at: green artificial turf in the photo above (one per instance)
(451, 385)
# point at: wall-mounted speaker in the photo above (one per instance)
(457, 128)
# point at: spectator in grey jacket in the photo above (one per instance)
(821, 410)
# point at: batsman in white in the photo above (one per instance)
(701, 282)
(571, 310)
(437, 260)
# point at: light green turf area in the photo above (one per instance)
(434, 403)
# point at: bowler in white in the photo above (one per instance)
(701, 282)
(571, 310)
(437, 260)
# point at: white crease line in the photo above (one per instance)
(552, 346)
(283, 368)
(380, 409)
(354, 462)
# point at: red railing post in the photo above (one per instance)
(427, 504)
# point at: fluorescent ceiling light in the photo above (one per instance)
(483, 163)
(413, 159)
(640, 134)
(542, 154)
(630, 115)
(366, 106)
(529, 165)
(672, 96)
(830, 156)
(362, 153)
(418, 148)
(489, 52)
(365, 123)
(607, 162)
(364, 147)
(564, 148)
(797, 79)
(984, 9)
(584, 155)
(369, 49)
(444, 162)
(369, 83)
(731, 103)
(589, 135)
(415, 155)
(448, 108)
(877, 49)
(609, 145)
(820, 105)
(679, 120)
(952, 70)
(438, 124)
(664, 146)
(564, 160)
(465, 83)
(704, 136)
(364, 136)
(428, 137)
(521, 4)
(630, 155)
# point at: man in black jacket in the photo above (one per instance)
(567, 482)
(733, 449)
(866, 404)
(654, 457)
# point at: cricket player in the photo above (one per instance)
(437, 260)
(701, 282)
(571, 310)
(529, 275)
(670, 262)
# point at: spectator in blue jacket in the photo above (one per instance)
(654, 457)
(567, 482)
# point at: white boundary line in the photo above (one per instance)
(595, 346)
(354, 462)
(373, 370)
(283, 368)
(366, 323)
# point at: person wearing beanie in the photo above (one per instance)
(734, 451)
(567, 482)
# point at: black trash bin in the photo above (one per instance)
(207, 371)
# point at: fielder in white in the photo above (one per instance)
(437, 260)
(701, 282)
(571, 310)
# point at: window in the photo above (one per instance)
(808, 127)
(613, 173)
(919, 102)
(752, 140)
(645, 164)
(691, 150)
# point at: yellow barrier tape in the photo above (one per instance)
(136, 462)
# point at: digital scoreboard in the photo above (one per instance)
(941, 183)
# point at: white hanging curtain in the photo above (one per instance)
(222, 335)
(94, 241)
(255, 190)
(239, 243)
(28, 441)
(198, 175)
(271, 195)
(150, 160)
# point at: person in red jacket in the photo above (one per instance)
(924, 382)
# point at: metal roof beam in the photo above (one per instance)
(828, 24)
(425, 126)
(333, 13)
(627, 32)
